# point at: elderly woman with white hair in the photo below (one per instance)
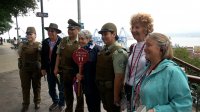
(89, 71)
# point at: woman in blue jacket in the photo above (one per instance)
(89, 71)
(164, 88)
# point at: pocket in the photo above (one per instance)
(19, 63)
(109, 84)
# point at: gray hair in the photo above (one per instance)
(164, 43)
(85, 34)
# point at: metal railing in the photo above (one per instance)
(194, 81)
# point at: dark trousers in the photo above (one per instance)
(52, 82)
(128, 92)
(28, 77)
(69, 97)
(106, 90)
(92, 96)
(93, 102)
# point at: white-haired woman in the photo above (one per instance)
(89, 71)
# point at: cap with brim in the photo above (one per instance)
(53, 26)
(108, 27)
(105, 30)
(30, 30)
(73, 24)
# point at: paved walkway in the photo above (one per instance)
(10, 88)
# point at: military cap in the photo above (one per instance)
(53, 26)
(30, 30)
(108, 27)
(73, 24)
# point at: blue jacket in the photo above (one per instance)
(89, 68)
(166, 89)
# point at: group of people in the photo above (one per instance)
(147, 75)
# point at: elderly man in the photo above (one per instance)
(67, 66)
(48, 59)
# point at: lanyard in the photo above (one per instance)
(138, 85)
(136, 60)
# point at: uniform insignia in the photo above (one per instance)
(121, 64)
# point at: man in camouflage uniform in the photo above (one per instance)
(67, 66)
(29, 65)
(110, 68)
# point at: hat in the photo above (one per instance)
(85, 34)
(73, 24)
(53, 26)
(108, 27)
(30, 30)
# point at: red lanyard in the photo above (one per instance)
(146, 73)
(137, 60)
(138, 85)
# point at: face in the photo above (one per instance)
(138, 32)
(31, 37)
(152, 50)
(72, 32)
(52, 33)
(108, 37)
(83, 41)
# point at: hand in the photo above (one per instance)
(117, 100)
(55, 71)
(79, 76)
(43, 72)
(150, 110)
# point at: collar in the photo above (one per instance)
(49, 40)
(110, 46)
(69, 41)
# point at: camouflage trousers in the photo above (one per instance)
(29, 78)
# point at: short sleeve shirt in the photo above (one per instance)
(120, 58)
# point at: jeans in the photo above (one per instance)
(52, 81)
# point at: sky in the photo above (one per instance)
(170, 16)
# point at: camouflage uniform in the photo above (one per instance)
(111, 62)
(69, 70)
(29, 65)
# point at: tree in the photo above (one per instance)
(181, 53)
(14, 8)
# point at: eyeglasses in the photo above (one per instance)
(51, 31)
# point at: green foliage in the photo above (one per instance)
(183, 54)
(11, 8)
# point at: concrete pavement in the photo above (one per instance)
(10, 88)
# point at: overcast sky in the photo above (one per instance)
(170, 16)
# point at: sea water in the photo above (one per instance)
(180, 41)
